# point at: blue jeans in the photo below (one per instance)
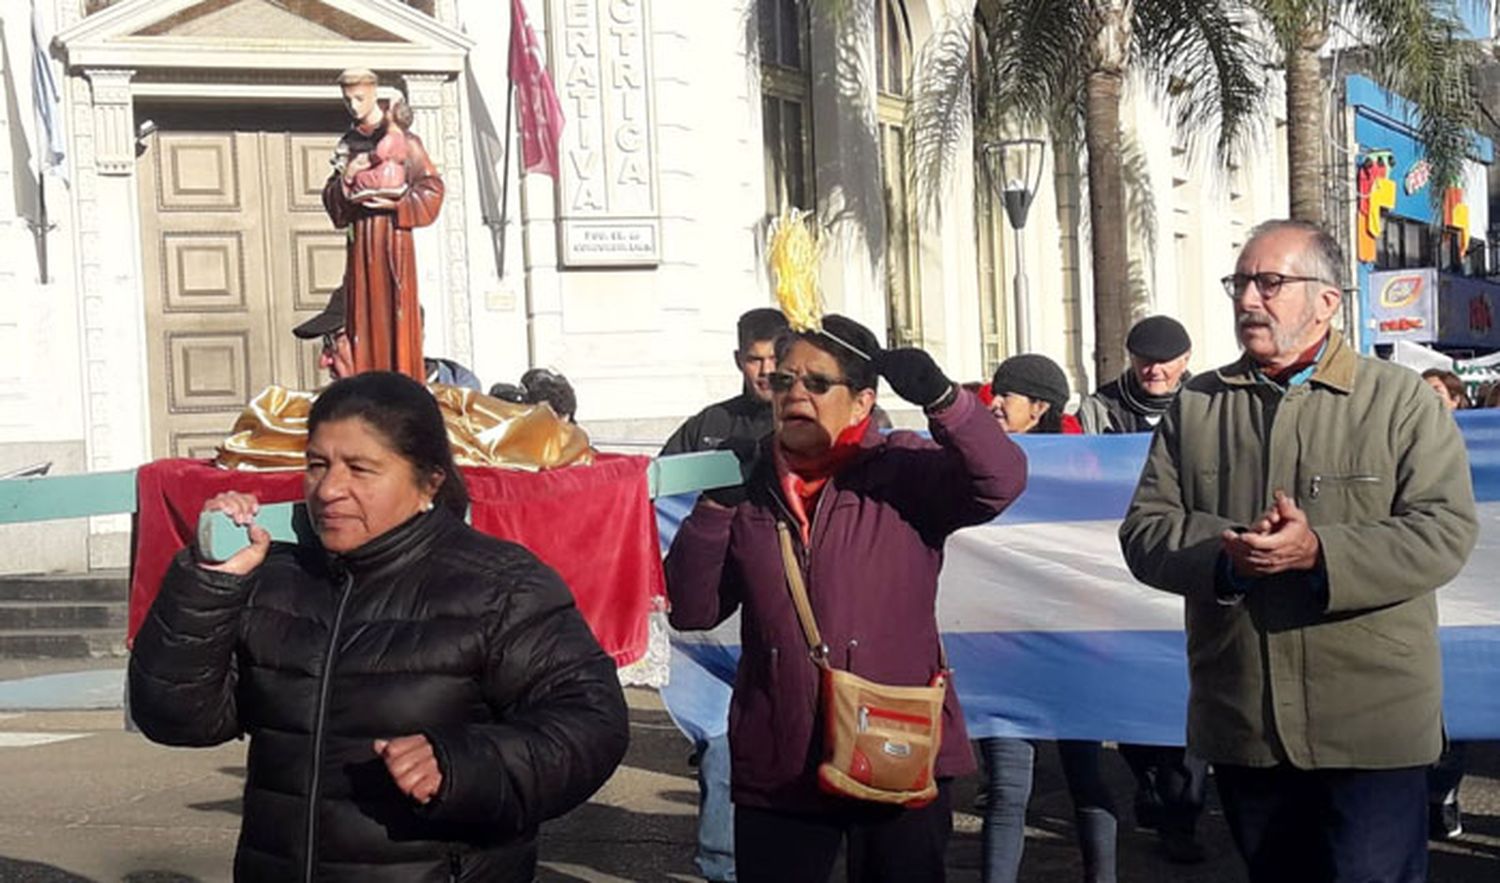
(715, 857)
(1009, 763)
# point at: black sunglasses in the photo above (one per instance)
(816, 384)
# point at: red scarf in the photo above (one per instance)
(802, 478)
(1304, 361)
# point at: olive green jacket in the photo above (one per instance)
(1336, 667)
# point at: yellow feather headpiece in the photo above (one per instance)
(792, 253)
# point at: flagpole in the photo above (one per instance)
(40, 225)
(510, 104)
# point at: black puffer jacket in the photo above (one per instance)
(432, 628)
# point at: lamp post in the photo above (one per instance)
(1014, 169)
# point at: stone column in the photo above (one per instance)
(112, 304)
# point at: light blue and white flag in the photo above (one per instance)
(1051, 637)
(46, 102)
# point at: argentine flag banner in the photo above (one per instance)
(1050, 636)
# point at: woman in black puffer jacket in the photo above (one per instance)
(419, 696)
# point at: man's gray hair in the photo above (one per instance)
(1325, 259)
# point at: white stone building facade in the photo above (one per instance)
(181, 253)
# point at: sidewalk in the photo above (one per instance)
(90, 803)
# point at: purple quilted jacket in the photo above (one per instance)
(872, 565)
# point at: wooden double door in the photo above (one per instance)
(237, 250)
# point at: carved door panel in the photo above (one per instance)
(204, 269)
(310, 253)
(236, 252)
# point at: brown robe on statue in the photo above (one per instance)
(380, 273)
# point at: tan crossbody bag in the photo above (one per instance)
(880, 742)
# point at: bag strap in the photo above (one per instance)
(803, 604)
(800, 601)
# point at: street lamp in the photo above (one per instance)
(1014, 169)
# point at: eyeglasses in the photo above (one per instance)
(331, 340)
(816, 384)
(1268, 284)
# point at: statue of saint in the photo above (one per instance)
(383, 186)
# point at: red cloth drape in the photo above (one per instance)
(594, 525)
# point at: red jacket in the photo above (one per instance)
(877, 545)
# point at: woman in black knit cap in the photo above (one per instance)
(1030, 392)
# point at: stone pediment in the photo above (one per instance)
(264, 35)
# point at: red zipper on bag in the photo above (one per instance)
(899, 716)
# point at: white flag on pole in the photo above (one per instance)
(46, 100)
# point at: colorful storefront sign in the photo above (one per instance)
(1394, 180)
(1467, 310)
(1402, 306)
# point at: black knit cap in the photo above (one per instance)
(1158, 339)
(1032, 375)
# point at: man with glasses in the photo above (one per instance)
(337, 356)
(737, 423)
(1306, 501)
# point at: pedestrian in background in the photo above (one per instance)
(1170, 782)
(1448, 387)
(739, 423)
(1030, 392)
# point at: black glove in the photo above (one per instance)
(915, 376)
(747, 451)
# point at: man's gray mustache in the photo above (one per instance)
(1254, 320)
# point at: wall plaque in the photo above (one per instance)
(608, 212)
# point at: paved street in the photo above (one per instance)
(89, 803)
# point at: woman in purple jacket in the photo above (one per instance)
(870, 514)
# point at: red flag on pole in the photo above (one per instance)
(541, 113)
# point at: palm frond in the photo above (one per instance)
(1031, 61)
(1140, 198)
(1204, 61)
(1291, 21)
(940, 114)
(1418, 52)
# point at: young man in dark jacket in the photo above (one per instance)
(738, 423)
(748, 414)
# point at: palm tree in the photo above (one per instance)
(1064, 65)
(1415, 50)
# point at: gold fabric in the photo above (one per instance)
(271, 433)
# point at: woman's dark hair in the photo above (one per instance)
(1488, 395)
(1051, 419)
(401, 411)
(541, 385)
(1451, 383)
(859, 371)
